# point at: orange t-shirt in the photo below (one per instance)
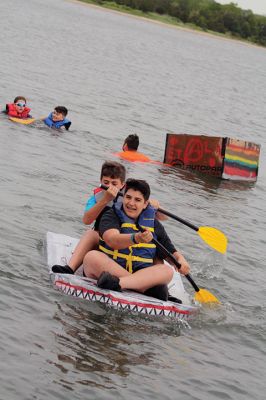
(133, 156)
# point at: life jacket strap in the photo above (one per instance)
(129, 257)
(133, 226)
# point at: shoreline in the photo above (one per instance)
(159, 20)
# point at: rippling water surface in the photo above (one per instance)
(119, 75)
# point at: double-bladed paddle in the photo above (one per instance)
(201, 295)
(212, 236)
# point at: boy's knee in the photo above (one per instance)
(91, 256)
(168, 271)
(91, 234)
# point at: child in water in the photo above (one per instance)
(18, 108)
(130, 150)
(57, 118)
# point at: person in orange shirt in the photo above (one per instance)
(130, 150)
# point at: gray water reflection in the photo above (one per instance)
(101, 356)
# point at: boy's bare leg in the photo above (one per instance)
(142, 280)
(89, 241)
(96, 262)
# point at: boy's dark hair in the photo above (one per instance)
(140, 185)
(132, 142)
(114, 170)
(16, 99)
(62, 110)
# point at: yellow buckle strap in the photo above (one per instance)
(125, 256)
(145, 245)
(129, 261)
(133, 226)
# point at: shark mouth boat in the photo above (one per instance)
(59, 250)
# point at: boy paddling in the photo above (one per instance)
(113, 175)
(126, 256)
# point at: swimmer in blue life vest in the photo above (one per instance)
(57, 118)
(126, 255)
(130, 150)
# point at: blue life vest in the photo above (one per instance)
(58, 124)
(139, 255)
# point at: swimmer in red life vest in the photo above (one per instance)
(130, 152)
(18, 108)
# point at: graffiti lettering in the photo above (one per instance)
(195, 167)
(197, 152)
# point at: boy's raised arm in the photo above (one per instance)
(95, 209)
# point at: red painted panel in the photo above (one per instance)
(196, 153)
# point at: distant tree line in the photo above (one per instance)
(207, 14)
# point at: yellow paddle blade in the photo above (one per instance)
(214, 238)
(204, 296)
(23, 121)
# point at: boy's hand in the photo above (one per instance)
(154, 203)
(185, 268)
(144, 237)
(110, 193)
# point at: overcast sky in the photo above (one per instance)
(257, 6)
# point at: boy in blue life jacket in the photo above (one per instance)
(57, 118)
(113, 175)
(126, 255)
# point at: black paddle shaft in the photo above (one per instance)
(168, 254)
(178, 219)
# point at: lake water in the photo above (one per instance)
(118, 75)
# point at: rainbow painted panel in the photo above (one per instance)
(241, 160)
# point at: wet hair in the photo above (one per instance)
(62, 110)
(113, 170)
(132, 142)
(140, 185)
(16, 99)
